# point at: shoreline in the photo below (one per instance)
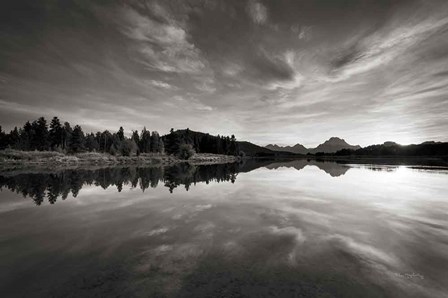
(386, 160)
(14, 159)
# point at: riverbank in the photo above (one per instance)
(15, 158)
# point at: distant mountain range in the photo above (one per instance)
(331, 145)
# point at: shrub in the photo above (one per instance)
(185, 151)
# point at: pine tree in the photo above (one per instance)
(3, 141)
(66, 136)
(120, 133)
(77, 141)
(14, 138)
(145, 141)
(91, 144)
(39, 139)
(155, 142)
(136, 139)
(56, 133)
(172, 142)
(233, 148)
(25, 136)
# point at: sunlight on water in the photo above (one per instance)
(292, 228)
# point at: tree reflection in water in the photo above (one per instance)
(52, 185)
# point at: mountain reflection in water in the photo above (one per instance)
(267, 229)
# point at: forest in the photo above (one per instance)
(62, 137)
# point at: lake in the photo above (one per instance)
(258, 229)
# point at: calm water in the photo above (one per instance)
(285, 229)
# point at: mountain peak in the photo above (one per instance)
(336, 140)
(331, 145)
(390, 143)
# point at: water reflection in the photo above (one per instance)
(51, 185)
(41, 185)
(282, 229)
(332, 168)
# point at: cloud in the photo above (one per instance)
(162, 46)
(206, 85)
(267, 67)
(383, 47)
(161, 84)
(267, 71)
(257, 12)
(289, 85)
(157, 232)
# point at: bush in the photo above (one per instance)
(185, 151)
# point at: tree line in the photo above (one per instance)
(62, 137)
(200, 142)
(393, 149)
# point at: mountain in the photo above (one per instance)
(297, 148)
(331, 145)
(206, 143)
(251, 149)
(332, 168)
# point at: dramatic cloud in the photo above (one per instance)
(257, 12)
(281, 72)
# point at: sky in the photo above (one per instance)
(283, 71)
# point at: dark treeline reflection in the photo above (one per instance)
(51, 185)
(54, 185)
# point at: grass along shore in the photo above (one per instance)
(15, 158)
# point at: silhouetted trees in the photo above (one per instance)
(37, 135)
(77, 140)
(393, 149)
(40, 140)
(200, 142)
(56, 134)
(145, 141)
(57, 137)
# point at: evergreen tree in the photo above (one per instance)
(105, 140)
(233, 148)
(128, 147)
(136, 138)
(91, 144)
(155, 142)
(115, 148)
(172, 142)
(3, 141)
(26, 136)
(56, 133)
(145, 141)
(120, 133)
(161, 146)
(66, 136)
(77, 141)
(39, 140)
(13, 139)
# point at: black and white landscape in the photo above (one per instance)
(224, 148)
